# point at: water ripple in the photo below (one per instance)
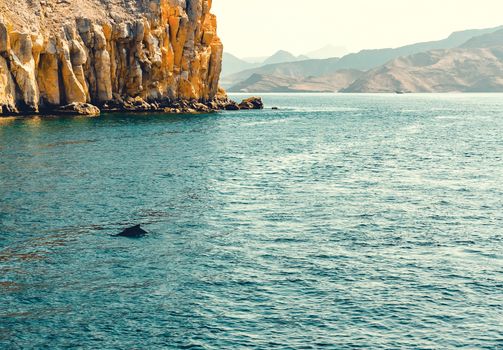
(337, 222)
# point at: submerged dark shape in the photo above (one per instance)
(133, 232)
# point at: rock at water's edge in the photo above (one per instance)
(78, 108)
(232, 106)
(252, 103)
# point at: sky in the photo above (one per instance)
(251, 28)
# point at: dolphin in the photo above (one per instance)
(133, 232)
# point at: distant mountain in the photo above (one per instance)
(259, 59)
(273, 83)
(364, 60)
(264, 83)
(280, 57)
(368, 59)
(328, 51)
(232, 64)
(475, 66)
(296, 70)
(494, 39)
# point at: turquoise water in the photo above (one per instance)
(338, 221)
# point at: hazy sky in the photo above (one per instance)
(261, 27)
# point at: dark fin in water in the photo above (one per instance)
(133, 232)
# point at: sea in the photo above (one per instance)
(334, 222)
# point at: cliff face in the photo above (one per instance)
(106, 52)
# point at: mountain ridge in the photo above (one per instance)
(297, 71)
(233, 64)
(474, 66)
(270, 83)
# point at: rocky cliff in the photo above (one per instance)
(111, 53)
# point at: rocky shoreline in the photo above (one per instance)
(181, 106)
(138, 105)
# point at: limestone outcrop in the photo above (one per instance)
(115, 54)
(79, 108)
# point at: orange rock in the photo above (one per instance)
(87, 53)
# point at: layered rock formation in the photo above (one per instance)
(111, 53)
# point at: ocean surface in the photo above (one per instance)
(337, 221)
